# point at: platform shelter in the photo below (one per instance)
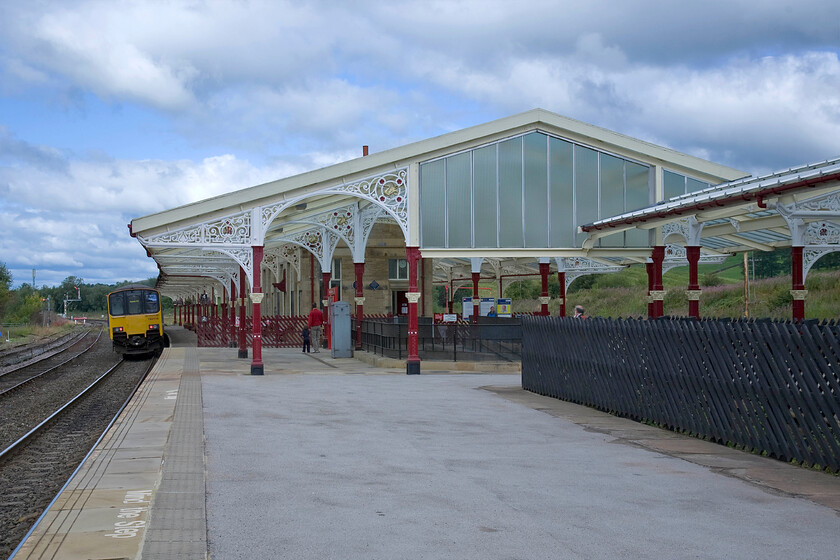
(517, 196)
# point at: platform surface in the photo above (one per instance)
(323, 458)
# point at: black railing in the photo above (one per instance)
(492, 339)
(767, 387)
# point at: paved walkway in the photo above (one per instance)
(323, 458)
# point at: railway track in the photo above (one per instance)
(16, 378)
(36, 464)
(28, 354)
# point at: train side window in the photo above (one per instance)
(135, 302)
(152, 304)
(116, 304)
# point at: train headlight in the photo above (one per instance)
(153, 327)
(118, 329)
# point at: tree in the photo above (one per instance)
(5, 288)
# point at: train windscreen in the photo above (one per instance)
(133, 302)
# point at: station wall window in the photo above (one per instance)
(397, 269)
(335, 276)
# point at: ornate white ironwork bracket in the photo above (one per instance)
(688, 228)
(575, 267)
(388, 191)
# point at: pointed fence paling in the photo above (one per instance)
(765, 386)
(278, 331)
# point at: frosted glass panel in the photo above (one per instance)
(673, 184)
(459, 200)
(536, 190)
(486, 201)
(510, 193)
(561, 193)
(612, 186)
(693, 185)
(637, 238)
(637, 181)
(432, 204)
(612, 195)
(586, 187)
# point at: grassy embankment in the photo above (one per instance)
(624, 294)
(25, 334)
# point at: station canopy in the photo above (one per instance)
(495, 198)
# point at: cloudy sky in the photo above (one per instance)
(111, 109)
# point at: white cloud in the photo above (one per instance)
(249, 92)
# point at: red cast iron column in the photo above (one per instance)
(256, 297)
(327, 333)
(561, 278)
(412, 366)
(359, 269)
(649, 269)
(224, 318)
(232, 325)
(243, 342)
(544, 292)
(693, 256)
(658, 255)
(475, 297)
(797, 284)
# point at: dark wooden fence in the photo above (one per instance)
(767, 387)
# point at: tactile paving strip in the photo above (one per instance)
(178, 525)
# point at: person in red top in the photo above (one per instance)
(316, 320)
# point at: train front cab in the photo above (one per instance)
(135, 321)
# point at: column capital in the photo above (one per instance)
(257, 297)
(693, 295)
(657, 295)
(799, 294)
(413, 297)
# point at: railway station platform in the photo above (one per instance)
(335, 458)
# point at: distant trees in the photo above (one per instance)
(5, 288)
(21, 304)
(769, 264)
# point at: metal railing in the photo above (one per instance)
(491, 339)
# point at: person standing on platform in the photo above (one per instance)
(579, 312)
(316, 320)
(305, 335)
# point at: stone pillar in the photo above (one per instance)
(412, 366)
(256, 299)
(798, 291)
(544, 299)
(692, 253)
(243, 342)
(561, 278)
(476, 299)
(359, 269)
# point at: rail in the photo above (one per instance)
(491, 339)
(90, 451)
(31, 378)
